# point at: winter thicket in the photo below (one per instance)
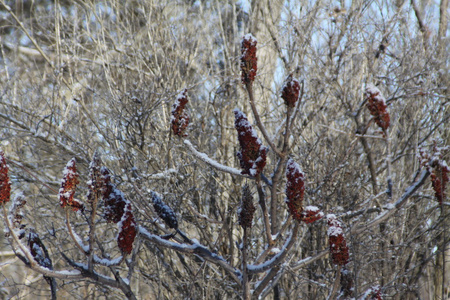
(224, 150)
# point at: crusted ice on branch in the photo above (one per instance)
(253, 154)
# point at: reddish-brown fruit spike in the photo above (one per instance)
(295, 189)
(164, 211)
(248, 58)
(5, 185)
(438, 168)
(38, 250)
(68, 187)
(95, 182)
(291, 91)
(127, 231)
(439, 180)
(377, 106)
(338, 245)
(180, 118)
(113, 199)
(253, 154)
(247, 209)
(346, 284)
(311, 214)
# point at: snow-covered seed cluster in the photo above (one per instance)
(127, 230)
(95, 182)
(68, 186)
(113, 199)
(15, 215)
(377, 106)
(291, 91)
(311, 214)
(295, 189)
(117, 209)
(346, 282)
(374, 293)
(38, 250)
(248, 59)
(338, 245)
(247, 209)
(438, 168)
(5, 185)
(180, 118)
(164, 211)
(253, 154)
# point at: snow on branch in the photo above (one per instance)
(206, 159)
(279, 257)
(195, 249)
(392, 208)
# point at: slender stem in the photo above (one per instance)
(389, 164)
(277, 174)
(71, 233)
(92, 232)
(258, 119)
(245, 280)
(262, 203)
(336, 284)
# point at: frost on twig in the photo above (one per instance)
(206, 159)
